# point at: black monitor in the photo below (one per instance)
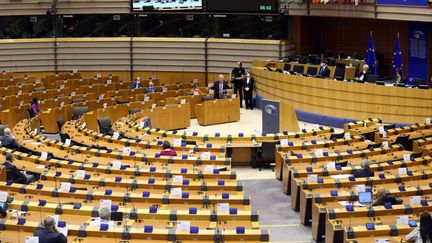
(331, 62)
(418, 82)
(339, 71)
(365, 198)
(287, 67)
(298, 69)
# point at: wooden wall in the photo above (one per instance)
(188, 57)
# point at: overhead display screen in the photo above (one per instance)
(243, 6)
(166, 5)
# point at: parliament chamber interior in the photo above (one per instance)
(284, 121)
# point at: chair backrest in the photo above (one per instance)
(104, 125)
(60, 123)
(121, 102)
(372, 78)
(312, 70)
(208, 97)
(336, 136)
(298, 69)
(31, 113)
(38, 89)
(390, 126)
(268, 151)
(404, 141)
(133, 111)
(79, 111)
(339, 71)
(287, 67)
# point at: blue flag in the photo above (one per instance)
(370, 56)
(397, 57)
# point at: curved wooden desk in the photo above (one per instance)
(345, 99)
(218, 111)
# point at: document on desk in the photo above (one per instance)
(356, 204)
(340, 176)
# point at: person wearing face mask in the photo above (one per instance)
(136, 84)
(363, 75)
(237, 75)
(324, 71)
(219, 87)
(151, 88)
(248, 85)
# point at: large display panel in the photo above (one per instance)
(243, 6)
(166, 5)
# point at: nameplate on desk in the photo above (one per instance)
(153, 106)
(146, 98)
(208, 168)
(183, 226)
(68, 142)
(73, 94)
(312, 178)
(385, 144)
(176, 192)
(205, 155)
(428, 121)
(35, 131)
(105, 105)
(359, 188)
(116, 164)
(415, 200)
(381, 129)
(44, 155)
(126, 150)
(178, 179)
(319, 152)
(177, 142)
(105, 203)
(183, 101)
(65, 186)
(347, 136)
(222, 207)
(80, 174)
(116, 135)
(402, 171)
(331, 165)
(284, 142)
(402, 220)
(382, 240)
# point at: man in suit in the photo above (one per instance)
(365, 171)
(151, 88)
(49, 232)
(363, 75)
(324, 71)
(136, 84)
(14, 174)
(8, 140)
(219, 87)
(248, 85)
(237, 76)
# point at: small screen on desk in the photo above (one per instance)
(3, 205)
(365, 197)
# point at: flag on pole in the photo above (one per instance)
(370, 55)
(397, 57)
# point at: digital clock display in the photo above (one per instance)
(242, 6)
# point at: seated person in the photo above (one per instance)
(104, 218)
(136, 84)
(195, 90)
(423, 232)
(34, 106)
(365, 171)
(3, 212)
(151, 88)
(8, 140)
(14, 174)
(167, 151)
(363, 75)
(399, 76)
(324, 71)
(219, 87)
(49, 232)
(384, 197)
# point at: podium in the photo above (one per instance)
(278, 116)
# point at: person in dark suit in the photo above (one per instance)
(151, 88)
(248, 86)
(324, 71)
(219, 87)
(49, 232)
(237, 76)
(365, 171)
(384, 197)
(14, 174)
(8, 141)
(136, 84)
(363, 75)
(3, 212)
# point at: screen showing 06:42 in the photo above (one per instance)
(166, 5)
(243, 6)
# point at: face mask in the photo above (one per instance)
(248, 75)
(322, 64)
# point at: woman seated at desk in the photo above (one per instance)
(167, 151)
(422, 233)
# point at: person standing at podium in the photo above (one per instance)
(219, 87)
(237, 76)
(248, 85)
